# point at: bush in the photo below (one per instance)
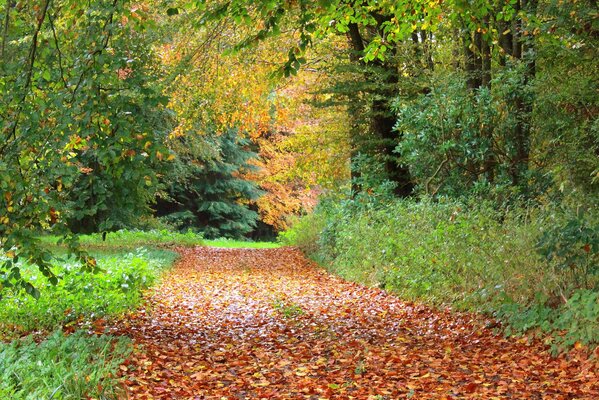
(304, 233)
(575, 321)
(467, 254)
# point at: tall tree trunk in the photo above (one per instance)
(523, 50)
(477, 54)
(355, 131)
(381, 118)
(473, 63)
(485, 55)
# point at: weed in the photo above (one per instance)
(288, 310)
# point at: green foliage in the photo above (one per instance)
(370, 182)
(566, 111)
(79, 296)
(288, 310)
(63, 367)
(82, 122)
(304, 232)
(573, 247)
(210, 193)
(240, 244)
(577, 320)
(458, 143)
(467, 254)
(79, 365)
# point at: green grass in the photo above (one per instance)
(287, 309)
(80, 365)
(81, 296)
(53, 365)
(238, 244)
(131, 239)
(77, 366)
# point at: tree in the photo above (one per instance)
(215, 89)
(79, 112)
(213, 196)
(373, 31)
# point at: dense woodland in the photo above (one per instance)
(447, 151)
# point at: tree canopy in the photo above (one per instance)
(113, 109)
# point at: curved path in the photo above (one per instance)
(268, 324)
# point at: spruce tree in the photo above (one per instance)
(214, 198)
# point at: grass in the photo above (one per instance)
(53, 365)
(77, 366)
(238, 244)
(132, 239)
(82, 296)
(288, 310)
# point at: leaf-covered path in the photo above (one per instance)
(253, 324)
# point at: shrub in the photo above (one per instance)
(464, 253)
(577, 320)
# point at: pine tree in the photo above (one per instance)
(214, 198)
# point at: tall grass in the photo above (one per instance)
(74, 367)
(470, 256)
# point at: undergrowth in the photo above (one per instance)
(73, 367)
(132, 238)
(49, 364)
(535, 269)
(38, 360)
(240, 244)
(80, 295)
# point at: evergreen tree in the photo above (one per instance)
(214, 197)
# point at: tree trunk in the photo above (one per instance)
(382, 119)
(523, 50)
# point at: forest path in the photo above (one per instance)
(254, 324)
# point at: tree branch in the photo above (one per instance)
(28, 74)
(5, 31)
(64, 81)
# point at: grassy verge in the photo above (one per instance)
(38, 360)
(132, 239)
(534, 270)
(237, 244)
(77, 366)
(82, 296)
